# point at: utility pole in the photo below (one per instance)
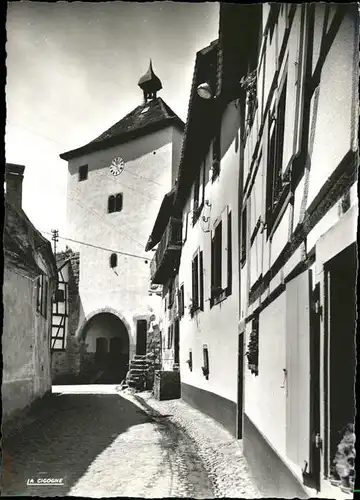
(55, 238)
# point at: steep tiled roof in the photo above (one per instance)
(200, 114)
(146, 118)
(166, 211)
(22, 241)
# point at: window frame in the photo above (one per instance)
(277, 183)
(181, 300)
(115, 203)
(113, 257)
(190, 360)
(83, 172)
(206, 366)
(170, 336)
(171, 293)
(42, 288)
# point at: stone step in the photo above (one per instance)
(136, 370)
(140, 356)
(141, 366)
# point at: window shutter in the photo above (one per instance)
(212, 267)
(193, 273)
(201, 279)
(201, 183)
(182, 295)
(224, 252)
(229, 256)
(184, 226)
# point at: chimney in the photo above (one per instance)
(14, 175)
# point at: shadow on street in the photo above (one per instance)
(66, 443)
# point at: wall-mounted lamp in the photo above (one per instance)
(204, 91)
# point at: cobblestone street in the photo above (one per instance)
(106, 444)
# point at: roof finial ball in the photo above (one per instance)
(150, 84)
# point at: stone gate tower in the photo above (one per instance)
(115, 187)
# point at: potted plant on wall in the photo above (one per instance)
(252, 353)
(343, 470)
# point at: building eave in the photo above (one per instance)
(123, 138)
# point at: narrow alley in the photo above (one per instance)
(101, 443)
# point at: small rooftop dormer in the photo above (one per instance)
(150, 84)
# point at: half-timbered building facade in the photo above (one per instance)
(297, 236)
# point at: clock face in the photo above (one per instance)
(117, 166)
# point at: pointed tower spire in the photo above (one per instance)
(150, 84)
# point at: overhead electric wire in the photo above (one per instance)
(100, 247)
(106, 222)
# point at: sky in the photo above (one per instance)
(72, 72)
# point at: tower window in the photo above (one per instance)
(118, 202)
(83, 172)
(115, 203)
(113, 260)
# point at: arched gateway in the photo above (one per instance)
(106, 359)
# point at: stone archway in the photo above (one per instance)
(106, 357)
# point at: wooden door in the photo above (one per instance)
(141, 330)
(176, 342)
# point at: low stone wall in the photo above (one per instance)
(167, 385)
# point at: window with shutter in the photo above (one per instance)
(276, 184)
(197, 283)
(224, 248)
(216, 257)
(201, 281)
